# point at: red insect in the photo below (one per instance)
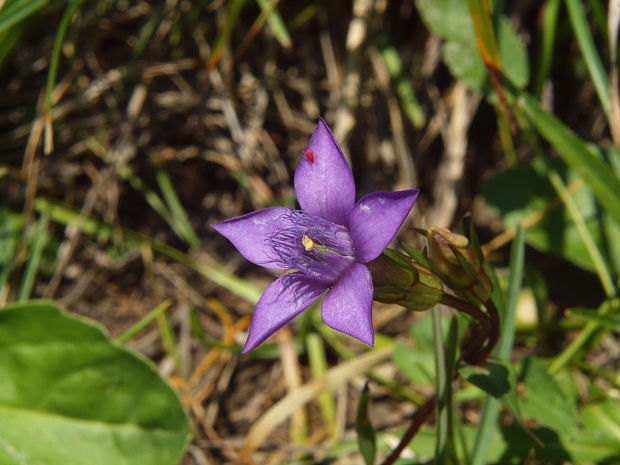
(310, 156)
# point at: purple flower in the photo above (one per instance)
(327, 242)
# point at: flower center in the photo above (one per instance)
(320, 249)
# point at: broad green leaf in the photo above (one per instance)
(366, 439)
(70, 395)
(451, 20)
(493, 378)
(544, 400)
(465, 63)
(513, 54)
(602, 424)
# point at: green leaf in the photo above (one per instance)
(493, 378)
(69, 395)
(465, 63)
(451, 20)
(513, 54)
(602, 424)
(366, 439)
(544, 399)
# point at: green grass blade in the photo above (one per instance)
(151, 197)
(169, 342)
(545, 59)
(143, 322)
(609, 307)
(179, 215)
(66, 215)
(602, 269)
(490, 408)
(366, 436)
(579, 156)
(275, 21)
(443, 385)
(14, 12)
(147, 31)
(55, 59)
(318, 367)
(11, 227)
(40, 239)
(8, 39)
(594, 64)
(404, 89)
(611, 322)
(232, 15)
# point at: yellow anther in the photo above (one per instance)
(307, 242)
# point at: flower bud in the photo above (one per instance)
(397, 279)
(454, 259)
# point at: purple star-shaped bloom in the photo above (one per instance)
(327, 242)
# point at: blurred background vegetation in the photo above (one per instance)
(126, 127)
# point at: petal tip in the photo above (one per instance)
(248, 347)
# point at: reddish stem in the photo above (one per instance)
(416, 423)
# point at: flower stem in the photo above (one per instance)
(473, 352)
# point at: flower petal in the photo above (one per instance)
(323, 180)
(249, 234)
(348, 306)
(282, 301)
(375, 220)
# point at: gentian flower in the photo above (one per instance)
(327, 242)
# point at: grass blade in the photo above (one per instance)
(14, 12)
(545, 59)
(318, 367)
(64, 214)
(600, 265)
(366, 438)
(232, 15)
(40, 239)
(580, 25)
(143, 322)
(444, 392)
(403, 86)
(611, 322)
(53, 69)
(178, 213)
(579, 156)
(275, 21)
(490, 408)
